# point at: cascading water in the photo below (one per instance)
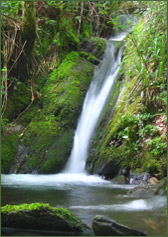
(93, 104)
(90, 195)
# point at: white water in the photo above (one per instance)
(93, 104)
(54, 180)
(60, 181)
(153, 203)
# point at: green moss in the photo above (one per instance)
(49, 134)
(23, 208)
(131, 137)
(29, 26)
(63, 93)
(91, 58)
(58, 153)
(100, 45)
(86, 31)
(17, 101)
(8, 152)
(33, 112)
(153, 164)
(67, 37)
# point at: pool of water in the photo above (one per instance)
(87, 196)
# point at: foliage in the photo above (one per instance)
(132, 137)
(10, 7)
(157, 146)
(8, 152)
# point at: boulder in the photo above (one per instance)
(41, 218)
(109, 170)
(104, 226)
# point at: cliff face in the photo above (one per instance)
(134, 135)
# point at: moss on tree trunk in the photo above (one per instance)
(28, 26)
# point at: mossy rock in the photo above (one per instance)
(17, 101)
(58, 153)
(38, 216)
(90, 57)
(8, 152)
(53, 119)
(95, 46)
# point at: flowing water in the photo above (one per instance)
(88, 195)
(93, 104)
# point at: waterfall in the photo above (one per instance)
(94, 102)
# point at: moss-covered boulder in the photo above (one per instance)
(49, 134)
(44, 218)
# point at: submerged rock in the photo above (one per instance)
(104, 226)
(41, 218)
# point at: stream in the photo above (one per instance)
(87, 196)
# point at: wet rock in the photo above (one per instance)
(152, 181)
(144, 191)
(119, 179)
(104, 226)
(139, 179)
(95, 46)
(108, 170)
(31, 218)
(19, 161)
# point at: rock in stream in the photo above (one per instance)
(41, 219)
(104, 226)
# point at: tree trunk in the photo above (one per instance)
(28, 26)
(28, 33)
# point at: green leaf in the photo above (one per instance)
(125, 137)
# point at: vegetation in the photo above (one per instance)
(136, 135)
(8, 152)
(46, 93)
(49, 133)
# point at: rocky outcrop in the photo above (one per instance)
(37, 218)
(104, 226)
